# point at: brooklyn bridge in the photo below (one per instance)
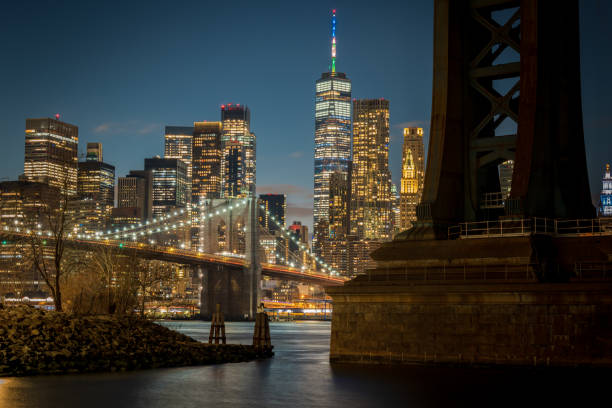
(232, 277)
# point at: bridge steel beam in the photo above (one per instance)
(504, 61)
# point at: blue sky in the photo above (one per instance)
(121, 71)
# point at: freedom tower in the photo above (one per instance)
(332, 137)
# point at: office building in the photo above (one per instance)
(178, 145)
(170, 188)
(25, 205)
(332, 137)
(94, 152)
(413, 176)
(371, 201)
(136, 191)
(238, 152)
(96, 183)
(605, 199)
(206, 161)
(51, 149)
(339, 205)
(275, 205)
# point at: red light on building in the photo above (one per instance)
(222, 106)
(57, 116)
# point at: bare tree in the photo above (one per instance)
(105, 262)
(47, 244)
(148, 275)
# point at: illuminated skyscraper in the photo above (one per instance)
(51, 149)
(95, 187)
(275, 206)
(238, 152)
(178, 146)
(332, 136)
(371, 200)
(605, 199)
(170, 189)
(413, 175)
(339, 202)
(395, 208)
(206, 161)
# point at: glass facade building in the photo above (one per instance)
(339, 202)
(96, 184)
(332, 138)
(371, 200)
(51, 149)
(413, 176)
(177, 145)
(275, 206)
(238, 157)
(605, 199)
(170, 188)
(206, 161)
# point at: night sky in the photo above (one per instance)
(123, 70)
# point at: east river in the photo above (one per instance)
(300, 376)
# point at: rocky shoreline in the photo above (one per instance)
(35, 342)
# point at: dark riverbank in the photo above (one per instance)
(34, 342)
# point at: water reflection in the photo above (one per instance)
(301, 376)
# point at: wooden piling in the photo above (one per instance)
(217, 327)
(261, 335)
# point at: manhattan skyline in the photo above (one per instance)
(172, 67)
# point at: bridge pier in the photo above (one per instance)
(235, 287)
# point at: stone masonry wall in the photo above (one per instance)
(533, 325)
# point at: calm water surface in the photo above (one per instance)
(300, 376)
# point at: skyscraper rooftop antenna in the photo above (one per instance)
(333, 47)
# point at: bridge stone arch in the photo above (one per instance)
(235, 287)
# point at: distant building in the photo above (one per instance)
(371, 200)
(413, 176)
(605, 199)
(178, 145)
(51, 149)
(136, 191)
(339, 205)
(300, 232)
(87, 216)
(96, 183)
(170, 188)
(360, 250)
(125, 216)
(505, 177)
(332, 137)
(23, 204)
(94, 152)
(275, 206)
(395, 209)
(206, 161)
(238, 152)
(336, 253)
